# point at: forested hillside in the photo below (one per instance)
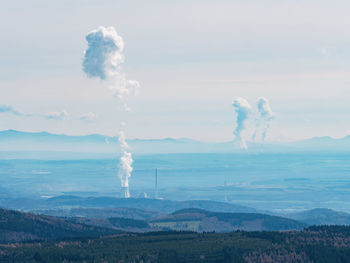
(205, 221)
(315, 244)
(16, 227)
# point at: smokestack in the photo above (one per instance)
(156, 185)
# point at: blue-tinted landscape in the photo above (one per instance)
(276, 182)
(174, 131)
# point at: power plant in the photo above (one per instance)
(125, 193)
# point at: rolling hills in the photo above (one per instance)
(157, 205)
(17, 226)
(204, 221)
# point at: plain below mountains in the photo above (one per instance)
(19, 144)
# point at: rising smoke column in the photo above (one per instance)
(125, 165)
(266, 115)
(243, 110)
(103, 59)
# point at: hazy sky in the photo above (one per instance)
(192, 59)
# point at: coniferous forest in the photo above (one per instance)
(314, 244)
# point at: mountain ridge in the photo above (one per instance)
(21, 141)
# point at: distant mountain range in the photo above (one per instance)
(21, 144)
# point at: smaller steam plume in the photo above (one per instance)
(266, 116)
(125, 165)
(243, 110)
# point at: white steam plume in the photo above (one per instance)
(243, 110)
(266, 115)
(102, 59)
(125, 165)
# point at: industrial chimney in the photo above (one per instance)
(156, 184)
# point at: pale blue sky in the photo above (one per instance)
(192, 58)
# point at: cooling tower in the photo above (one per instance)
(125, 192)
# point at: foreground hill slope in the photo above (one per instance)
(201, 220)
(16, 226)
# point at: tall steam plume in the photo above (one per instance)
(266, 115)
(125, 165)
(103, 59)
(243, 110)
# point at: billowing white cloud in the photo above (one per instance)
(102, 59)
(243, 110)
(104, 55)
(88, 117)
(56, 115)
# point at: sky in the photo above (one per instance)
(191, 58)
